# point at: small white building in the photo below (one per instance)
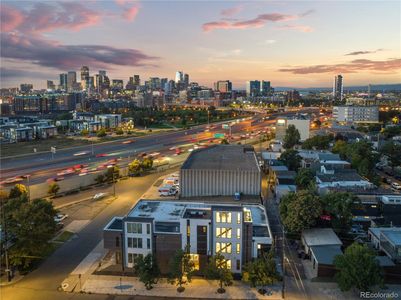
(300, 122)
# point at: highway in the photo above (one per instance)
(43, 166)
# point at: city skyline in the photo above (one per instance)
(298, 44)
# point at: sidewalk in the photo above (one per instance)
(198, 288)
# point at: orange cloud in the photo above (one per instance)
(131, 13)
(257, 22)
(357, 65)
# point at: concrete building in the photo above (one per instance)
(356, 114)
(330, 178)
(109, 121)
(387, 240)
(300, 122)
(238, 232)
(253, 88)
(223, 86)
(221, 170)
(321, 245)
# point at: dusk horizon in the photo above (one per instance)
(297, 44)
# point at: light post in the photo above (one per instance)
(114, 182)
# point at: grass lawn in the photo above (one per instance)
(40, 145)
(64, 236)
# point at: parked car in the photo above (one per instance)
(396, 185)
(170, 192)
(60, 217)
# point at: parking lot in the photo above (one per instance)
(153, 192)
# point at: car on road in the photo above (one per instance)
(60, 217)
(12, 180)
(396, 185)
(81, 153)
(128, 142)
(99, 196)
(101, 155)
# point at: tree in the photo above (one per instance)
(147, 163)
(224, 142)
(84, 132)
(262, 272)
(148, 270)
(299, 211)
(339, 206)
(119, 131)
(112, 174)
(135, 167)
(292, 137)
(181, 266)
(17, 191)
(357, 268)
(291, 159)
(393, 153)
(32, 225)
(318, 142)
(217, 269)
(53, 189)
(304, 178)
(340, 147)
(101, 133)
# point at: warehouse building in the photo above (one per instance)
(240, 232)
(221, 170)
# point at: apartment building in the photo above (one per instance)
(356, 114)
(239, 232)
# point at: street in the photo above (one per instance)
(43, 282)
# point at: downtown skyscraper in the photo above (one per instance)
(338, 88)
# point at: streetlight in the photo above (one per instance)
(114, 182)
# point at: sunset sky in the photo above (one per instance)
(294, 43)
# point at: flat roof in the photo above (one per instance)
(173, 211)
(326, 254)
(320, 237)
(116, 224)
(393, 235)
(348, 175)
(223, 157)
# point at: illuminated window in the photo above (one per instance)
(195, 259)
(223, 248)
(238, 218)
(223, 217)
(238, 248)
(238, 233)
(228, 264)
(223, 232)
(188, 230)
(247, 215)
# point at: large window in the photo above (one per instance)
(238, 233)
(223, 217)
(147, 228)
(134, 243)
(223, 232)
(134, 227)
(195, 259)
(133, 258)
(223, 248)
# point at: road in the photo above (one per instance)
(42, 166)
(42, 283)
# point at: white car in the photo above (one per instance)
(60, 217)
(99, 196)
(396, 185)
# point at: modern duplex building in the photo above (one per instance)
(356, 114)
(239, 232)
(221, 170)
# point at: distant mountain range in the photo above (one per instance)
(362, 88)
